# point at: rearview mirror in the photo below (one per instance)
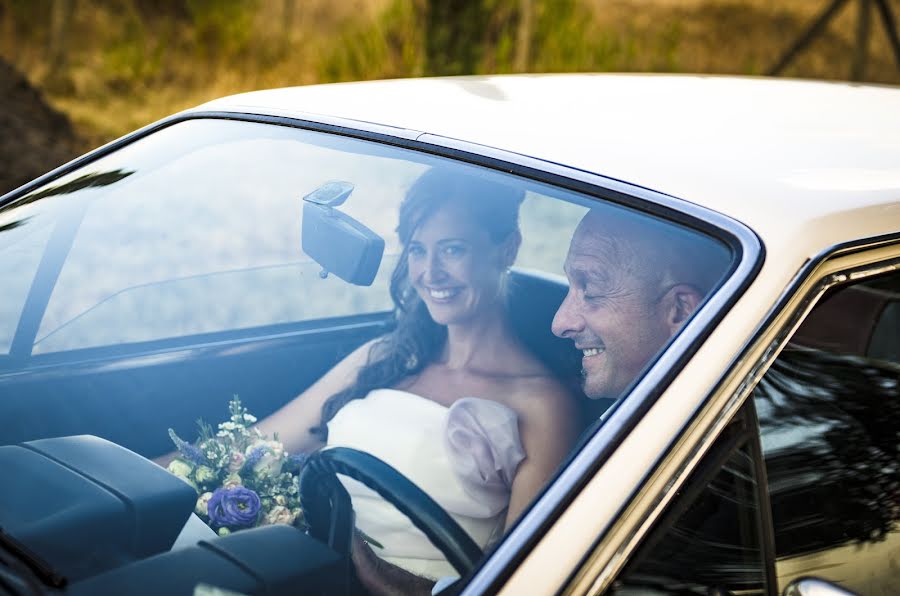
(336, 241)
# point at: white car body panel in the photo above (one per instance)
(806, 165)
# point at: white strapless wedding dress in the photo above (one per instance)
(464, 457)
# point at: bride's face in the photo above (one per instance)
(455, 267)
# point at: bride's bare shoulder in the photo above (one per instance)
(539, 393)
(363, 354)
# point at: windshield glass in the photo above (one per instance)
(462, 324)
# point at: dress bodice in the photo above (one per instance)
(464, 457)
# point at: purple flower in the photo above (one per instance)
(234, 508)
(188, 451)
(296, 462)
(254, 457)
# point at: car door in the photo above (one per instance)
(803, 480)
(829, 408)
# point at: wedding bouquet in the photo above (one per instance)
(242, 478)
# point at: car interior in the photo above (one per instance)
(111, 405)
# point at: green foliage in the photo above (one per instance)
(482, 36)
(132, 57)
(454, 34)
(117, 64)
(667, 48)
(388, 48)
(23, 10)
(563, 36)
(222, 28)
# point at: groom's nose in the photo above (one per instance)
(568, 320)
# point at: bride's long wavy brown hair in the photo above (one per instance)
(416, 340)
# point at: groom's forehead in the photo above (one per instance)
(609, 251)
(587, 267)
(596, 247)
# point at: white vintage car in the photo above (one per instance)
(246, 246)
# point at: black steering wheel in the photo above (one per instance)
(329, 513)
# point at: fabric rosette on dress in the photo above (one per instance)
(483, 445)
(464, 457)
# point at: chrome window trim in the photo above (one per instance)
(837, 265)
(749, 255)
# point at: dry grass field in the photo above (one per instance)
(114, 65)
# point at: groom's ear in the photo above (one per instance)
(679, 303)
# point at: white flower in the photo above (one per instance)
(274, 446)
(180, 468)
(232, 481)
(280, 500)
(279, 515)
(268, 465)
(272, 459)
(205, 474)
(228, 426)
(250, 419)
(202, 506)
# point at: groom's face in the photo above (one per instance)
(614, 310)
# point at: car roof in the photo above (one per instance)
(775, 154)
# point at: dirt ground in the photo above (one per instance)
(36, 138)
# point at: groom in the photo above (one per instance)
(633, 282)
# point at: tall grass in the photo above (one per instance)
(124, 63)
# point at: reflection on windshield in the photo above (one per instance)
(92, 180)
(14, 224)
(221, 301)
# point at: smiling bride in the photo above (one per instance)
(451, 397)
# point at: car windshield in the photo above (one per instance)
(460, 323)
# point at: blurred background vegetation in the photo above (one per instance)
(109, 66)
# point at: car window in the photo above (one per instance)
(223, 223)
(21, 248)
(218, 258)
(830, 422)
(708, 539)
